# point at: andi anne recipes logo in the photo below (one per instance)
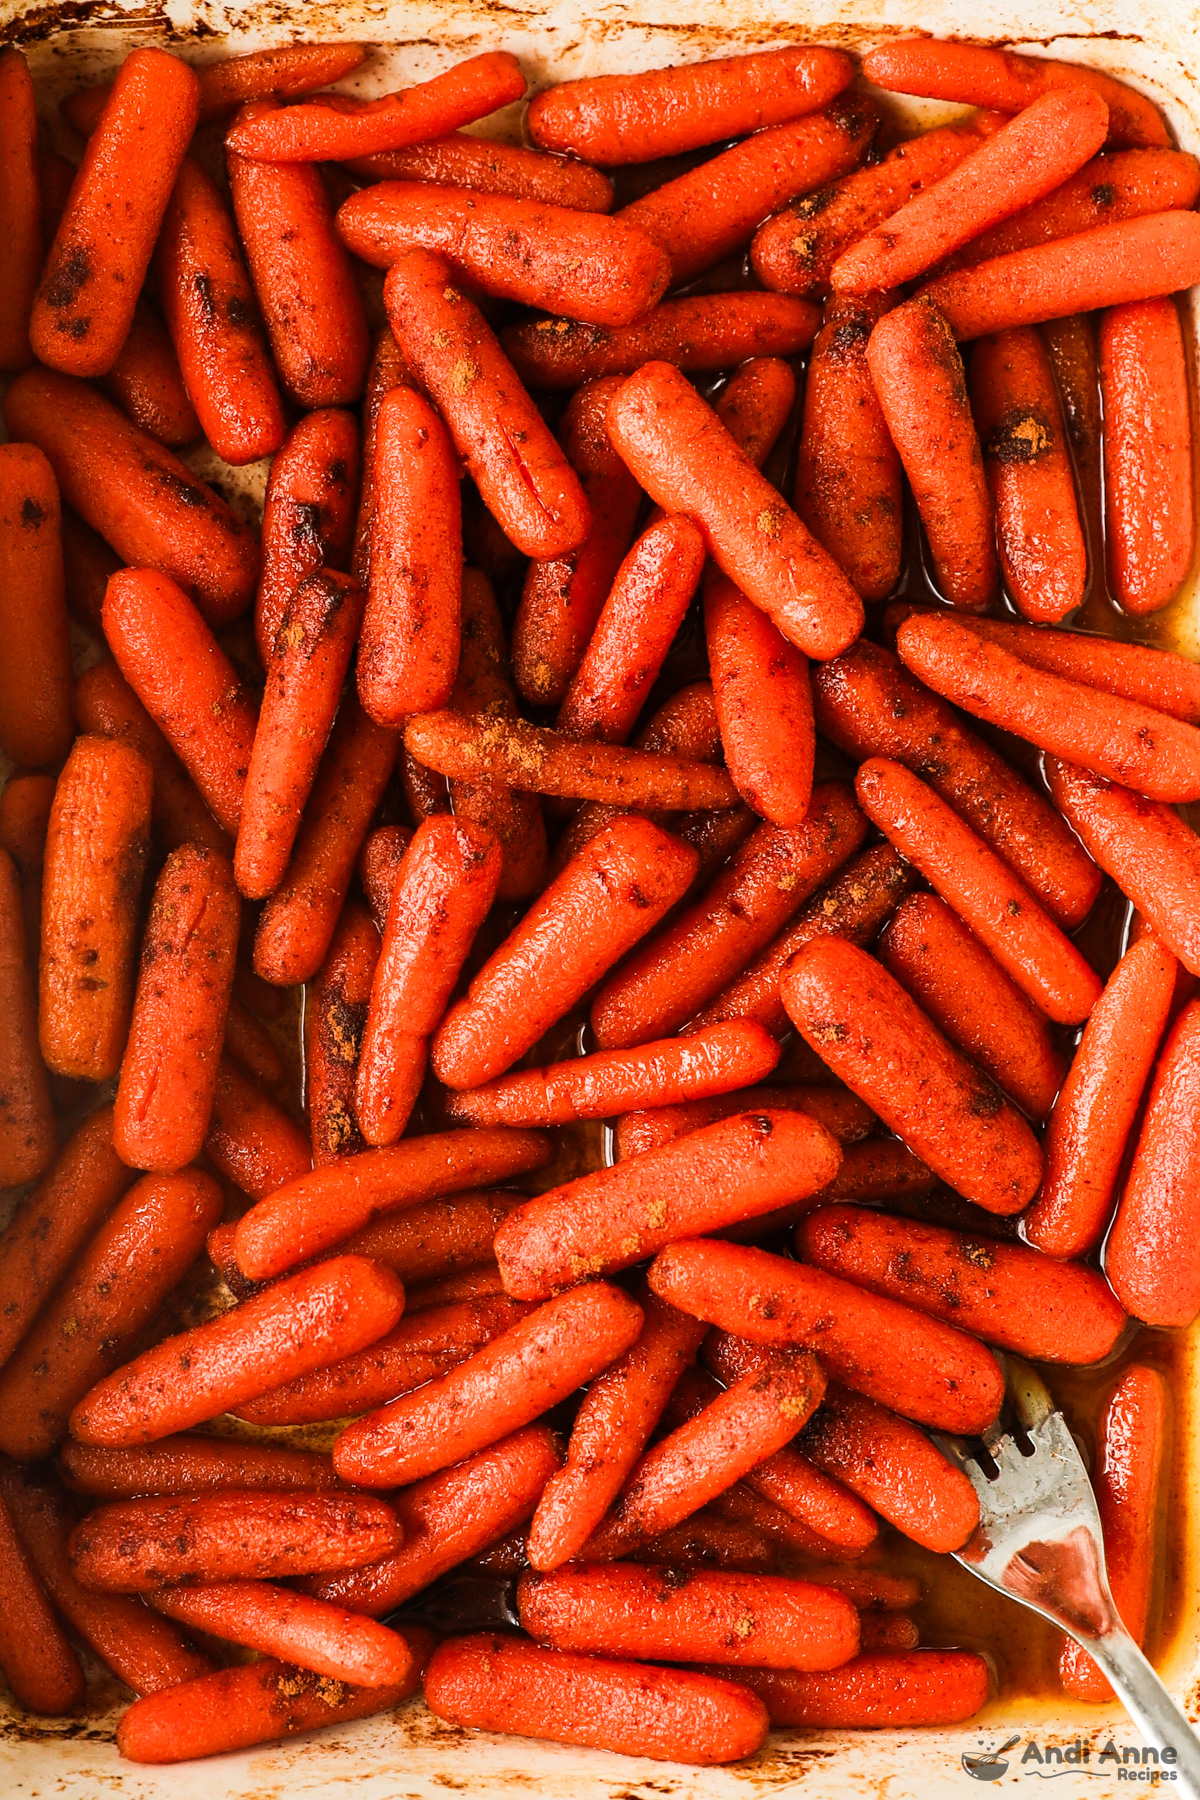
(1144, 1763)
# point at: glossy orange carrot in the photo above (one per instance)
(298, 922)
(884, 1687)
(96, 848)
(847, 1007)
(301, 273)
(28, 1139)
(38, 1662)
(35, 685)
(767, 881)
(507, 1384)
(21, 212)
(764, 704)
(102, 248)
(999, 908)
(25, 803)
(714, 1538)
(116, 1286)
(491, 167)
(317, 1210)
(251, 1141)
(169, 1069)
(311, 1319)
(656, 422)
(312, 1634)
(308, 513)
(214, 324)
(335, 1018)
(615, 891)
(918, 377)
(286, 69)
(249, 1044)
(442, 893)
(704, 332)
(521, 473)
(190, 1463)
(148, 505)
(1150, 527)
(966, 993)
(387, 369)
(1129, 1469)
(437, 1239)
(733, 1170)
(88, 563)
(147, 382)
(378, 861)
(869, 705)
(842, 1114)
(755, 405)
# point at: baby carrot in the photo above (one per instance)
(599, 1223)
(88, 564)
(378, 862)
(998, 908)
(490, 167)
(847, 1007)
(438, 1238)
(169, 1069)
(35, 679)
(21, 210)
(28, 1138)
(286, 69)
(275, 1621)
(25, 802)
(135, 492)
(214, 324)
(386, 370)
(297, 923)
(609, 896)
(966, 993)
(536, 1363)
(507, 448)
(144, 1247)
(755, 405)
(302, 274)
(96, 848)
(102, 248)
(764, 703)
(1149, 528)
(841, 1113)
(37, 1660)
(251, 1141)
(335, 1018)
(191, 1463)
(918, 377)
(442, 893)
(249, 1044)
(308, 514)
(656, 422)
(700, 333)
(296, 1325)
(147, 382)
(889, 1688)
(767, 881)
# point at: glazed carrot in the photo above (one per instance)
(437, 1239)
(966, 993)
(1129, 1469)
(467, 1284)
(302, 275)
(663, 112)
(310, 1633)
(96, 848)
(335, 1018)
(443, 891)
(536, 1363)
(1116, 738)
(888, 1631)
(879, 1169)
(490, 167)
(285, 70)
(1094, 1114)
(918, 377)
(249, 1043)
(767, 881)
(252, 1704)
(883, 1688)
(847, 1007)
(755, 405)
(869, 705)
(135, 492)
(656, 422)
(764, 704)
(997, 907)
(88, 564)
(25, 802)
(296, 1325)
(1021, 163)
(251, 1141)
(794, 252)
(410, 637)
(645, 607)
(841, 1113)
(853, 905)
(190, 1463)
(609, 1219)
(707, 331)
(707, 213)
(379, 859)
(298, 922)
(28, 1139)
(35, 685)
(102, 248)
(308, 513)
(144, 1247)
(317, 1210)
(387, 369)
(714, 1538)
(21, 210)
(147, 382)
(975, 76)
(38, 1662)
(521, 473)
(214, 324)
(55, 178)
(169, 1069)
(563, 595)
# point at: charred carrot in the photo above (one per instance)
(842, 1113)
(38, 1662)
(251, 1141)
(287, 69)
(490, 167)
(189, 1464)
(145, 1245)
(884, 1687)
(21, 211)
(35, 686)
(147, 382)
(25, 803)
(28, 1139)
(308, 513)
(764, 703)
(379, 859)
(1149, 527)
(847, 1006)
(335, 1020)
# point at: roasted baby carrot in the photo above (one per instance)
(35, 682)
(251, 1141)
(302, 275)
(755, 405)
(286, 69)
(764, 704)
(842, 1113)
(96, 848)
(387, 369)
(147, 382)
(1149, 530)
(847, 1007)
(442, 893)
(21, 211)
(308, 514)
(335, 1018)
(249, 1044)
(439, 1238)
(378, 861)
(28, 1138)
(274, 1621)
(507, 448)
(135, 492)
(609, 1219)
(38, 1662)
(25, 803)
(490, 167)
(883, 1687)
(116, 1286)
(102, 248)
(191, 1463)
(55, 178)
(88, 563)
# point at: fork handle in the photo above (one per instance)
(1148, 1703)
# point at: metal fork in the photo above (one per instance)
(1039, 1541)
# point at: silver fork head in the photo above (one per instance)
(1039, 1537)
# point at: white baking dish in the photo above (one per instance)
(411, 1755)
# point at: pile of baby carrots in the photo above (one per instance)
(579, 738)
